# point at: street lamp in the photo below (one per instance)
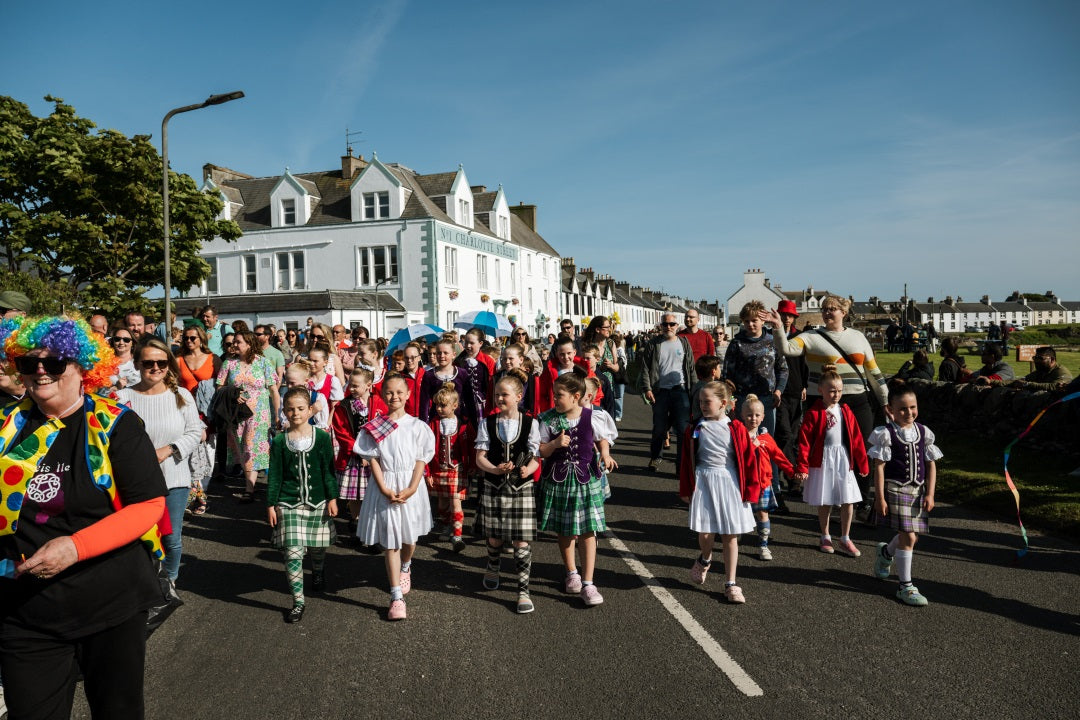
(381, 282)
(212, 100)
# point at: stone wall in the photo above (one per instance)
(999, 414)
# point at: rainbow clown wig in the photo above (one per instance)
(64, 337)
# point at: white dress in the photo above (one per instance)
(834, 482)
(717, 505)
(395, 524)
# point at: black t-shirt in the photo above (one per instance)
(62, 499)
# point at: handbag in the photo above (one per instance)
(876, 407)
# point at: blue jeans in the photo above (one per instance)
(671, 410)
(620, 392)
(175, 504)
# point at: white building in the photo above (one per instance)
(408, 248)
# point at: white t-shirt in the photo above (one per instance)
(670, 365)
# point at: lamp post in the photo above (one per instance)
(381, 282)
(212, 100)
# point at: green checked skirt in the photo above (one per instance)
(571, 508)
(303, 526)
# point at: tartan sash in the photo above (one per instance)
(380, 427)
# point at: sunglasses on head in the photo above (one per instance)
(151, 364)
(29, 365)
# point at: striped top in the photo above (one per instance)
(819, 352)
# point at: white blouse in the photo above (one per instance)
(881, 443)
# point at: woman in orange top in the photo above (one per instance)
(196, 361)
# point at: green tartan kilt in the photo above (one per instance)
(571, 508)
(303, 527)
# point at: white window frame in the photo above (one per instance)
(293, 270)
(376, 205)
(481, 272)
(450, 269)
(451, 318)
(252, 274)
(288, 211)
(513, 279)
(212, 283)
(367, 271)
(498, 276)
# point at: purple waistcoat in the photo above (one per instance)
(578, 457)
(907, 465)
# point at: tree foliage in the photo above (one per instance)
(82, 210)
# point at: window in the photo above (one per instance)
(498, 277)
(212, 278)
(545, 297)
(528, 264)
(513, 279)
(290, 271)
(288, 212)
(451, 318)
(464, 210)
(450, 263)
(544, 263)
(481, 272)
(376, 205)
(250, 274)
(504, 227)
(377, 264)
(530, 299)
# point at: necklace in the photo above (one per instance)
(68, 410)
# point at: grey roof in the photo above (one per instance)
(232, 194)
(309, 186)
(1011, 306)
(866, 308)
(528, 238)
(1046, 306)
(934, 308)
(437, 183)
(1071, 304)
(624, 298)
(979, 307)
(292, 302)
(484, 202)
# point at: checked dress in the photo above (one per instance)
(507, 508)
(572, 499)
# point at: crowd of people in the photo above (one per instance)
(111, 433)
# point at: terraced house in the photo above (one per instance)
(375, 244)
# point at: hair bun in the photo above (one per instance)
(751, 398)
(449, 385)
(828, 367)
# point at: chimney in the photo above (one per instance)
(527, 213)
(477, 189)
(350, 165)
(1051, 297)
(948, 300)
(767, 284)
(930, 300)
(219, 174)
(985, 299)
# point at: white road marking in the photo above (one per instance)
(718, 654)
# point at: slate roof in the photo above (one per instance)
(1046, 306)
(437, 183)
(1071, 304)
(484, 202)
(934, 308)
(291, 302)
(966, 307)
(528, 238)
(1013, 307)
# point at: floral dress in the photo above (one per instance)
(249, 442)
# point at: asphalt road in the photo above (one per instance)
(819, 636)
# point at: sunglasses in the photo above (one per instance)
(29, 365)
(318, 337)
(191, 338)
(120, 340)
(674, 324)
(152, 364)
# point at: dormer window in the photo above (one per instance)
(504, 227)
(376, 205)
(464, 211)
(288, 211)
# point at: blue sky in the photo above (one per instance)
(853, 146)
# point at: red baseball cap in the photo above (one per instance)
(786, 307)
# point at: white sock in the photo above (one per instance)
(893, 543)
(903, 565)
(395, 593)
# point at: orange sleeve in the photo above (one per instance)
(126, 524)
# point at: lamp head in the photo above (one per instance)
(223, 98)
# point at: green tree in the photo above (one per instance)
(81, 210)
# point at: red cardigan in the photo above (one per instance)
(812, 440)
(343, 433)
(768, 452)
(745, 463)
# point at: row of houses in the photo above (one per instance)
(381, 245)
(950, 315)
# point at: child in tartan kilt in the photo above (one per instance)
(572, 500)
(905, 474)
(507, 445)
(448, 470)
(301, 492)
(394, 513)
(353, 472)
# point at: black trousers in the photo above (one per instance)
(40, 672)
